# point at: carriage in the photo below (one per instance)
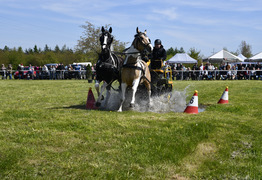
(133, 73)
(161, 78)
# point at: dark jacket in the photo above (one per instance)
(158, 54)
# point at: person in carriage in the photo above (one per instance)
(158, 55)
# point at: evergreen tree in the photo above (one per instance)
(47, 49)
(36, 49)
(57, 49)
(195, 54)
(245, 49)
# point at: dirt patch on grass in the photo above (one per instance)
(203, 152)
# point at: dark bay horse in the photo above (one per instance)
(135, 71)
(107, 67)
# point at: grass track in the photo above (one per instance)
(47, 134)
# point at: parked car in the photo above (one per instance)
(25, 74)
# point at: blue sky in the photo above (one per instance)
(207, 25)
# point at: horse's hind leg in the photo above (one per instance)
(123, 91)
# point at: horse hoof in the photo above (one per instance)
(132, 105)
(98, 104)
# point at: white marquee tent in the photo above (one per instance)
(183, 58)
(241, 56)
(256, 58)
(223, 56)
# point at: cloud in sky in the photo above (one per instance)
(202, 24)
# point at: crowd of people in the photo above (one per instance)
(225, 71)
(49, 71)
(179, 72)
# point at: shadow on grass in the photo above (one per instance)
(78, 106)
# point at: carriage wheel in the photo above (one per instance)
(162, 90)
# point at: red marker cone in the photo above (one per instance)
(224, 97)
(192, 107)
(90, 102)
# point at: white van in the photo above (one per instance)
(83, 63)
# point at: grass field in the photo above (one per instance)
(46, 133)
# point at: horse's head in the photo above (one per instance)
(106, 39)
(142, 42)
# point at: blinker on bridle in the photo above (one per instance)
(140, 38)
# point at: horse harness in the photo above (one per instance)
(141, 68)
(105, 65)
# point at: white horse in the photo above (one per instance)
(134, 70)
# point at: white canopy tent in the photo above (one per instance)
(256, 58)
(223, 56)
(241, 56)
(183, 58)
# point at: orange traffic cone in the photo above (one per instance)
(192, 107)
(224, 97)
(90, 102)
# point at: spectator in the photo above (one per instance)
(37, 72)
(201, 72)
(223, 73)
(228, 67)
(3, 71)
(20, 69)
(30, 74)
(70, 71)
(189, 73)
(250, 66)
(52, 73)
(62, 71)
(78, 71)
(234, 73)
(9, 71)
(253, 74)
(240, 72)
(210, 71)
(258, 65)
(259, 74)
(167, 70)
(179, 73)
(195, 72)
(217, 74)
(45, 72)
(58, 71)
(247, 73)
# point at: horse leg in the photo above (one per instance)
(134, 89)
(97, 87)
(148, 87)
(108, 94)
(123, 90)
(100, 95)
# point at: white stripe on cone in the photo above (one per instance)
(224, 97)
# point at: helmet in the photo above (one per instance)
(158, 41)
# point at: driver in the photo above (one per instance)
(159, 53)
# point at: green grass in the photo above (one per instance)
(47, 134)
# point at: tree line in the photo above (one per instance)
(86, 50)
